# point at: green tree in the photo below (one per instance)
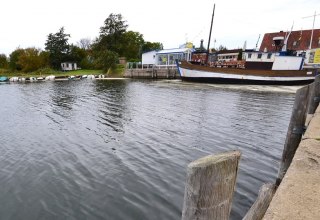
(131, 45)
(150, 46)
(113, 25)
(3, 61)
(222, 48)
(111, 34)
(58, 48)
(13, 59)
(105, 59)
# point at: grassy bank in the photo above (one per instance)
(116, 72)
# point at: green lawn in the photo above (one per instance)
(116, 72)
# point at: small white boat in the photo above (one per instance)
(32, 79)
(101, 76)
(91, 77)
(22, 79)
(71, 77)
(40, 78)
(14, 79)
(84, 76)
(50, 78)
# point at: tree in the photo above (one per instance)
(13, 59)
(3, 61)
(31, 59)
(150, 46)
(85, 43)
(111, 34)
(221, 48)
(105, 59)
(58, 48)
(113, 25)
(131, 45)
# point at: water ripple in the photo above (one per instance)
(119, 149)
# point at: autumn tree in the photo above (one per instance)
(3, 61)
(32, 59)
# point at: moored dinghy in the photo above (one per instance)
(50, 78)
(32, 79)
(91, 77)
(3, 79)
(14, 79)
(71, 78)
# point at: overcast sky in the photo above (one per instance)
(27, 23)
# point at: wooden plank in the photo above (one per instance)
(295, 131)
(260, 206)
(209, 187)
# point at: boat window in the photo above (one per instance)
(249, 56)
(259, 55)
(269, 55)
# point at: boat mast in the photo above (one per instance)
(314, 18)
(214, 6)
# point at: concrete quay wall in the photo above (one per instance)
(298, 196)
(152, 73)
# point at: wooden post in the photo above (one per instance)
(260, 206)
(314, 95)
(209, 187)
(295, 131)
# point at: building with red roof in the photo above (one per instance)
(298, 40)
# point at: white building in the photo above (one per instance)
(166, 57)
(149, 57)
(67, 66)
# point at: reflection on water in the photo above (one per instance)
(119, 149)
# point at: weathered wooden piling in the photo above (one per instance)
(209, 187)
(260, 206)
(295, 131)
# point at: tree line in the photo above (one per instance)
(114, 41)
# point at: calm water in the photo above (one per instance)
(119, 149)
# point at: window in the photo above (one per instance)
(294, 43)
(269, 55)
(249, 55)
(259, 55)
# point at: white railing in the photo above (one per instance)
(150, 66)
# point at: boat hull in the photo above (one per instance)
(189, 72)
(244, 81)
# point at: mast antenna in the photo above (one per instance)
(314, 18)
(214, 6)
(257, 42)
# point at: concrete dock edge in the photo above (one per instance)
(298, 196)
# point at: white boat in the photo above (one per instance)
(50, 78)
(91, 77)
(14, 79)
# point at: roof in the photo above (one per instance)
(229, 51)
(175, 50)
(298, 40)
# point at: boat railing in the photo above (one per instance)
(132, 65)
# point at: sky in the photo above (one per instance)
(27, 23)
